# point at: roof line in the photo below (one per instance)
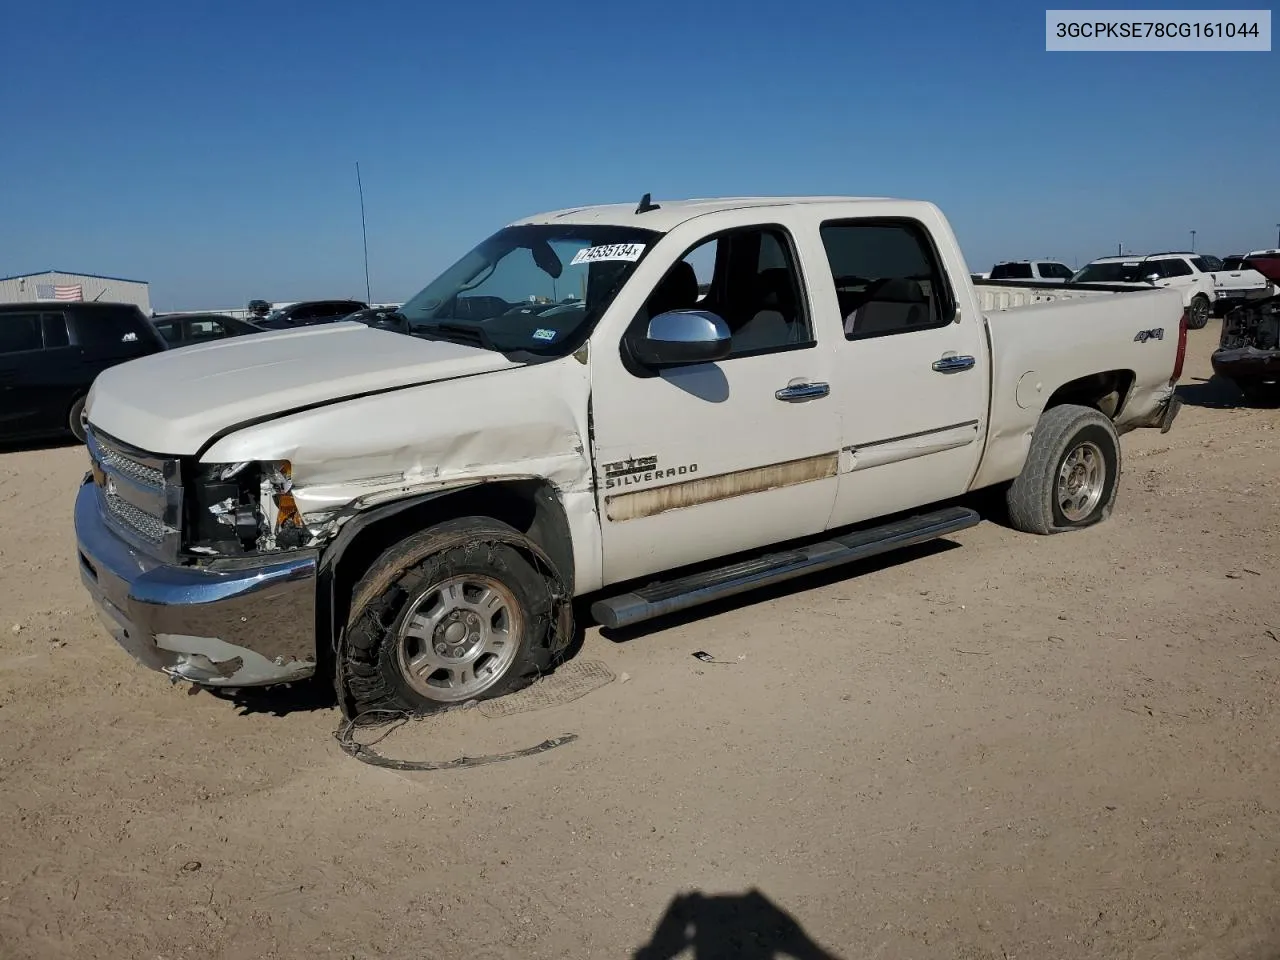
(71, 273)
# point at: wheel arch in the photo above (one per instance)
(532, 506)
(1107, 392)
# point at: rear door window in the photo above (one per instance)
(54, 328)
(1175, 267)
(887, 276)
(20, 332)
(171, 330)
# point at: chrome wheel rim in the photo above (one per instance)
(1081, 480)
(458, 638)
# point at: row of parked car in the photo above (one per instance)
(1208, 285)
(50, 353)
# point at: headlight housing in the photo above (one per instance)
(239, 508)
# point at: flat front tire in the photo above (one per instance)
(1070, 477)
(453, 614)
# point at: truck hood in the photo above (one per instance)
(173, 402)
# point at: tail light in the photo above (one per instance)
(1182, 349)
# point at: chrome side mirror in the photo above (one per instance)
(681, 337)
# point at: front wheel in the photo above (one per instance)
(453, 614)
(1198, 313)
(1070, 476)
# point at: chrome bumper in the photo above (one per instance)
(220, 625)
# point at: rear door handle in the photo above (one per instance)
(954, 364)
(800, 392)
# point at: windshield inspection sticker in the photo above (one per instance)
(608, 251)
(542, 333)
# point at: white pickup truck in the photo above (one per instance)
(577, 414)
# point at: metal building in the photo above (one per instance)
(55, 285)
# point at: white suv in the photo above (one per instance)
(1185, 272)
(1042, 271)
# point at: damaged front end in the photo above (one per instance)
(245, 508)
(1248, 351)
(202, 572)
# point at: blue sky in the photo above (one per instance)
(210, 147)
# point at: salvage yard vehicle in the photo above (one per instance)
(1184, 272)
(51, 351)
(1248, 351)
(184, 329)
(1040, 271)
(412, 516)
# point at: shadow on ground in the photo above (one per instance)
(1215, 393)
(42, 443)
(302, 697)
(746, 926)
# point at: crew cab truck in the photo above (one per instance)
(748, 389)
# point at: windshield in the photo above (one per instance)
(535, 289)
(1129, 271)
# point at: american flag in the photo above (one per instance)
(59, 291)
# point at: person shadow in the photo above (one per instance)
(746, 926)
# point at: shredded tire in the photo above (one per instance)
(1031, 498)
(370, 680)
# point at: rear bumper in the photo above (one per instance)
(218, 625)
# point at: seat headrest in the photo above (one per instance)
(899, 290)
(678, 290)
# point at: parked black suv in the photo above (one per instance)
(308, 312)
(51, 352)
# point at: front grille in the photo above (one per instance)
(130, 467)
(141, 494)
(144, 524)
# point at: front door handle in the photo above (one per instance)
(954, 364)
(800, 392)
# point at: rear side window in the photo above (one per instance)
(206, 329)
(1011, 271)
(1201, 264)
(55, 330)
(171, 331)
(112, 327)
(888, 279)
(1055, 271)
(20, 332)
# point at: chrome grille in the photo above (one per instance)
(144, 524)
(130, 467)
(140, 494)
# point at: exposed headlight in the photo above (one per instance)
(244, 508)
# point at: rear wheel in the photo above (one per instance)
(77, 422)
(1070, 476)
(1198, 313)
(453, 614)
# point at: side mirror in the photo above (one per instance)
(1152, 277)
(681, 337)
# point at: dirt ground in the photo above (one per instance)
(1003, 746)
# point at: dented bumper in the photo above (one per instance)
(220, 625)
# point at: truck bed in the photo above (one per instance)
(1044, 339)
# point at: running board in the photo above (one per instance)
(660, 598)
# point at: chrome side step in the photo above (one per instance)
(658, 599)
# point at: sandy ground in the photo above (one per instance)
(1002, 747)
